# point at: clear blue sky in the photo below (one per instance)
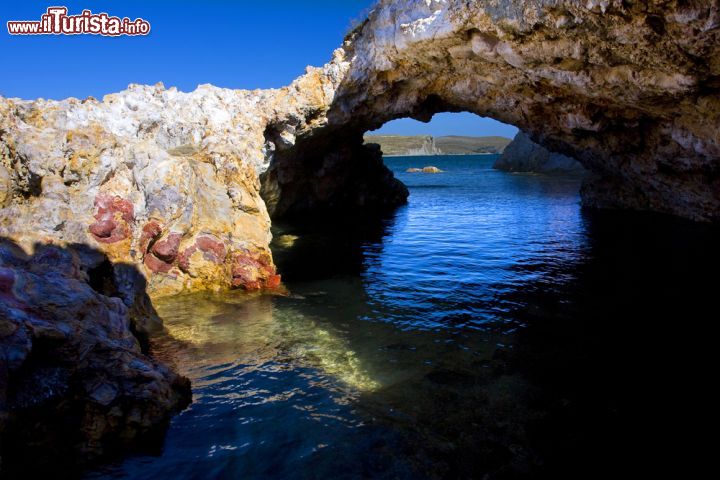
(449, 124)
(234, 44)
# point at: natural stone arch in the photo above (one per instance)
(630, 89)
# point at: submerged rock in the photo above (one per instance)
(524, 155)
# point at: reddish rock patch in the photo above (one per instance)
(245, 272)
(103, 229)
(253, 273)
(184, 258)
(151, 231)
(156, 265)
(273, 281)
(167, 249)
(113, 219)
(214, 250)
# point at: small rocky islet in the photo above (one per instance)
(429, 169)
(108, 204)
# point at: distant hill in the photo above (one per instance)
(427, 145)
(471, 145)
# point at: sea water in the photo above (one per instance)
(490, 328)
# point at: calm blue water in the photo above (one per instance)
(488, 329)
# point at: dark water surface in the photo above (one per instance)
(488, 329)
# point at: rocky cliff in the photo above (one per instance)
(524, 155)
(181, 186)
(464, 145)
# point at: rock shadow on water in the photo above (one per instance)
(589, 372)
(326, 245)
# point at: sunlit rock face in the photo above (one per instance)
(156, 178)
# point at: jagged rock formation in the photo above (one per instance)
(627, 88)
(524, 155)
(74, 380)
(630, 89)
(171, 182)
(152, 177)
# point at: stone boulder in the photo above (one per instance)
(76, 383)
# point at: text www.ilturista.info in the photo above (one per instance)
(57, 22)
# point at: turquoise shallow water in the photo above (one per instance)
(489, 329)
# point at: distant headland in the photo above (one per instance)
(400, 145)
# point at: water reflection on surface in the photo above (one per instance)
(490, 329)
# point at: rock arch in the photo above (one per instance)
(630, 89)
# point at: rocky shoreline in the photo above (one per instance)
(153, 192)
(524, 155)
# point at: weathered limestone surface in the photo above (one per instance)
(170, 183)
(152, 177)
(524, 155)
